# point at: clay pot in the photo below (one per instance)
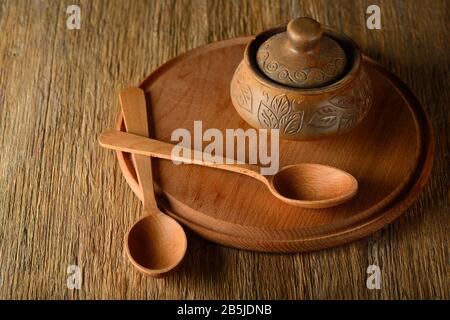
(306, 80)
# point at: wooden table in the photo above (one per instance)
(64, 202)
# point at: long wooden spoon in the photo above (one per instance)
(305, 185)
(156, 244)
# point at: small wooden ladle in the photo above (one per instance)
(155, 244)
(306, 185)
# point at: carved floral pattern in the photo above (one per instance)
(279, 113)
(291, 115)
(345, 109)
(242, 91)
(341, 111)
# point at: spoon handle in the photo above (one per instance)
(126, 142)
(134, 110)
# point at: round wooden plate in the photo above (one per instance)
(390, 153)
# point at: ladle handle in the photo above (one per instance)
(134, 110)
(126, 142)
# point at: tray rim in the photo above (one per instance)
(377, 218)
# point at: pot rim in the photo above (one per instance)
(351, 50)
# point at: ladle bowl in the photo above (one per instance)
(155, 244)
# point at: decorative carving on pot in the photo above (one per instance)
(308, 82)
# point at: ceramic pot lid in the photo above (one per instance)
(302, 57)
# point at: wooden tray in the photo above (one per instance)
(390, 153)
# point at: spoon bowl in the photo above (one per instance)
(311, 185)
(156, 244)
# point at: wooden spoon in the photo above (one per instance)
(156, 244)
(305, 185)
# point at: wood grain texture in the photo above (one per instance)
(63, 199)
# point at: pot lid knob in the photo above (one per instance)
(302, 57)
